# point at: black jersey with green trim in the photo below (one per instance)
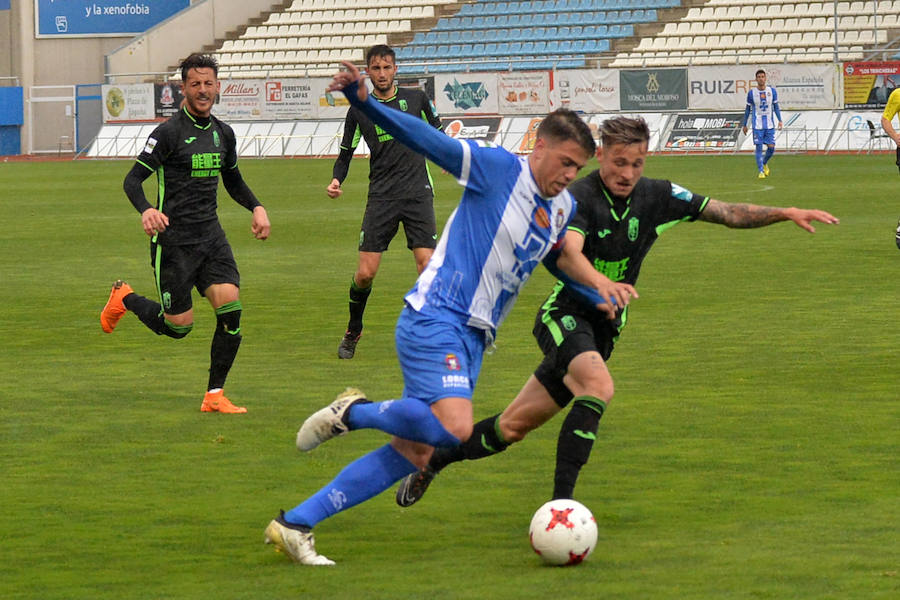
(188, 153)
(395, 171)
(618, 233)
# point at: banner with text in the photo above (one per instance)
(653, 89)
(89, 18)
(466, 93)
(524, 93)
(586, 91)
(867, 85)
(712, 131)
(133, 102)
(799, 87)
(472, 128)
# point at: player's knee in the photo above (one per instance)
(177, 331)
(364, 278)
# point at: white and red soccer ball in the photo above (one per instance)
(563, 532)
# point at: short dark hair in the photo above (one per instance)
(624, 130)
(380, 51)
(758, 71)
(564, 124)
(198, 61)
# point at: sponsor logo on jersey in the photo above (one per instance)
(455, 381)
(151, 144)
(541, 218)
(206, 164)
(452, 362)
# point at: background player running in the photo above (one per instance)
(400, 187)
(188, 247)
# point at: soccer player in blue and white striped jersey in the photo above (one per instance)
(762, 103)
(513, 215)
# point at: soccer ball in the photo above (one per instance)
(563, 532)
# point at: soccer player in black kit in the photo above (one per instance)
(620, 215)
(188, 247)
(399, 186)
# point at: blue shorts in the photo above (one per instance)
(764, 136)
(440, 358)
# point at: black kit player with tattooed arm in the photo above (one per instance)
(400, 187)
(188, 247)
(620, 215)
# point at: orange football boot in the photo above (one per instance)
(114, 308)
(217, 402)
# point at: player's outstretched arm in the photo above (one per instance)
(749, 216)
(410, 131)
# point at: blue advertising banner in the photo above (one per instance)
(4, 4)
(56, 18)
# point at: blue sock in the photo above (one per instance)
(759, 156)
(769, 152)
(364, 478)
(408, 418)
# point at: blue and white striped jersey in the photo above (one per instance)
(763, 104)
(493, 241)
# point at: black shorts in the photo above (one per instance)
(562, 337)
(383, 217)
(179, 268)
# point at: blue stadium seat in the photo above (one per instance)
(430, 51)
(540, 47)
(527, 48)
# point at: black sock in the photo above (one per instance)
(576, 438)
(225, 343)
(484, 441)
(358, 298)
(150, 313)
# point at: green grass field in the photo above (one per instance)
(751, 450)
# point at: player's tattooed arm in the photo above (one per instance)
(741, 216)
(747, 216)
